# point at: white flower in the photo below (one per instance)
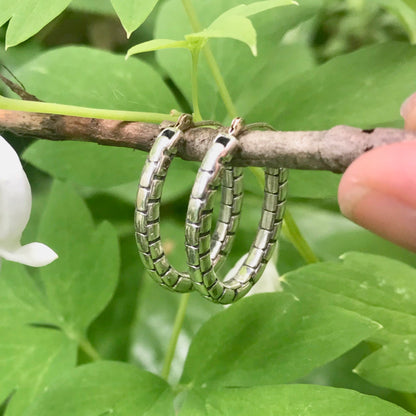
(15, 206)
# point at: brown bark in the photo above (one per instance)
(331, 150)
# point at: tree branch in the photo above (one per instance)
(331, 150)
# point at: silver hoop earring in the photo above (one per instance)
(202, 272)
(147, 213)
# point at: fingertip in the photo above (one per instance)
(378, 192)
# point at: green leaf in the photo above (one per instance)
(257, 7)
(270, 339)
(21, 301)
(31, 354)
(313, 184)
(28, 17)
(275, 64)
(107, 80)
(14, 58)
(115, 169)
(234, 24)
(330, 234)
(29, 359)
(411, 4)
(394, 362)
(230, 26)
(71, 161)
(105, 388)
(93, 6)
(339, 373)
(380, 289)
(133, 13)
(364, 89)
(88, 259)
(156, 44)
(290, 400)
(111, 332)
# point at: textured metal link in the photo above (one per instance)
(201, 268)
(147, 214)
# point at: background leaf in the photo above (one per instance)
(313, 184)
(30, 355)
(116, 170)
(88, 258)
(28, 17)
(364, 89)
(30, 358)
(290, 400)
(230, 26)
(133, 13)
(330, 234)
(270, 339)
(256, 7)
(381, 289)
(339, 373)
(107, 80)
(71, 161)
(93, 6)
(112, 332)
(105, 388)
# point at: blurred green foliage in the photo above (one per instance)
(319, 64)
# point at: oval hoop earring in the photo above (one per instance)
(201, 268)
(147, 213)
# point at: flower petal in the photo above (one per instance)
(15, 197)
(33, 254)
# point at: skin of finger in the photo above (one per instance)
(378, 192)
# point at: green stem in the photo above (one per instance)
(194, 77)
(212, 63)
(177, 326)
(192, 16)
(219, 80)
(83, 343)
(294, 235)
(89, 349)
(72, 110)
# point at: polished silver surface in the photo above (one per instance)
(201, 268)
(198, 240)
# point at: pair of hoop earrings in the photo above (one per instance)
(205, 252)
